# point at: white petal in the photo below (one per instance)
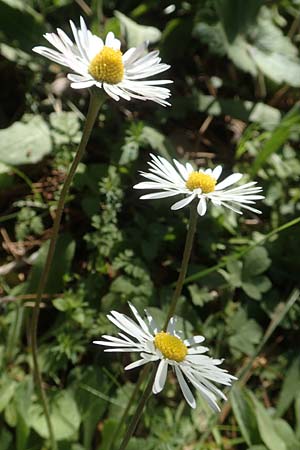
(194, 340)
(138, 363)
(82, 84)
(234, 178)
(217, 172)
(201, 208)
(185, 388)
(184, 202)
(160, 377)
(158, 195)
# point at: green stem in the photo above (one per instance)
(185, 261)
(141, 378)
(139, 411)
(95, 103)
(183, 270)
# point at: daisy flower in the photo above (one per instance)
(185, 356)
(200, 184)
(102, 64)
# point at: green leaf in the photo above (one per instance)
(20, 25)
(290, 387)
(5, 439)
(278, 138)
(25, 143)
(63, 256)
(64, 415)
(287, 434)
(267, 428)
(256, 286)
(237, 15)
(245, 415)
(159, 142)
(297, 415)
(7, 389)
(65, 127)
(22, 400)
(247, 111)
(137, 34)
(256, 262)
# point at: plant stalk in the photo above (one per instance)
(183, 270)
(185, 261)
(139, 411)
(96, 101)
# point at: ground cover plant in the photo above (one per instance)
(235, 68)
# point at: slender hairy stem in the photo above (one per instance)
(139, 411)
(141, 378)
(95, 103)
(185, 261)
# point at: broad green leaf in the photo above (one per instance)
(25, 143)
(287, 434)
(290, 387)
(278, 138)
(256, 262)
(64, 415)
(245, 415)
(267, 428)
(137, 34)
(61, 264)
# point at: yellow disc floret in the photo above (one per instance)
(201, 180)
(170, 346)
(107, 66)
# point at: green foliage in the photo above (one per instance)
(235, 67)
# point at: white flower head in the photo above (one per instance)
(102, 64)
(171, 180)
(185, 356)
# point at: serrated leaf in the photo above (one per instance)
(137, 34)
(25, 143)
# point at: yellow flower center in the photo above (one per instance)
(171, 346)
(107, 66)
(201, 180)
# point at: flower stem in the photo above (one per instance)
(184, 266)
(185, 261)
(95, 103)
(141, 378)
(139, 411)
